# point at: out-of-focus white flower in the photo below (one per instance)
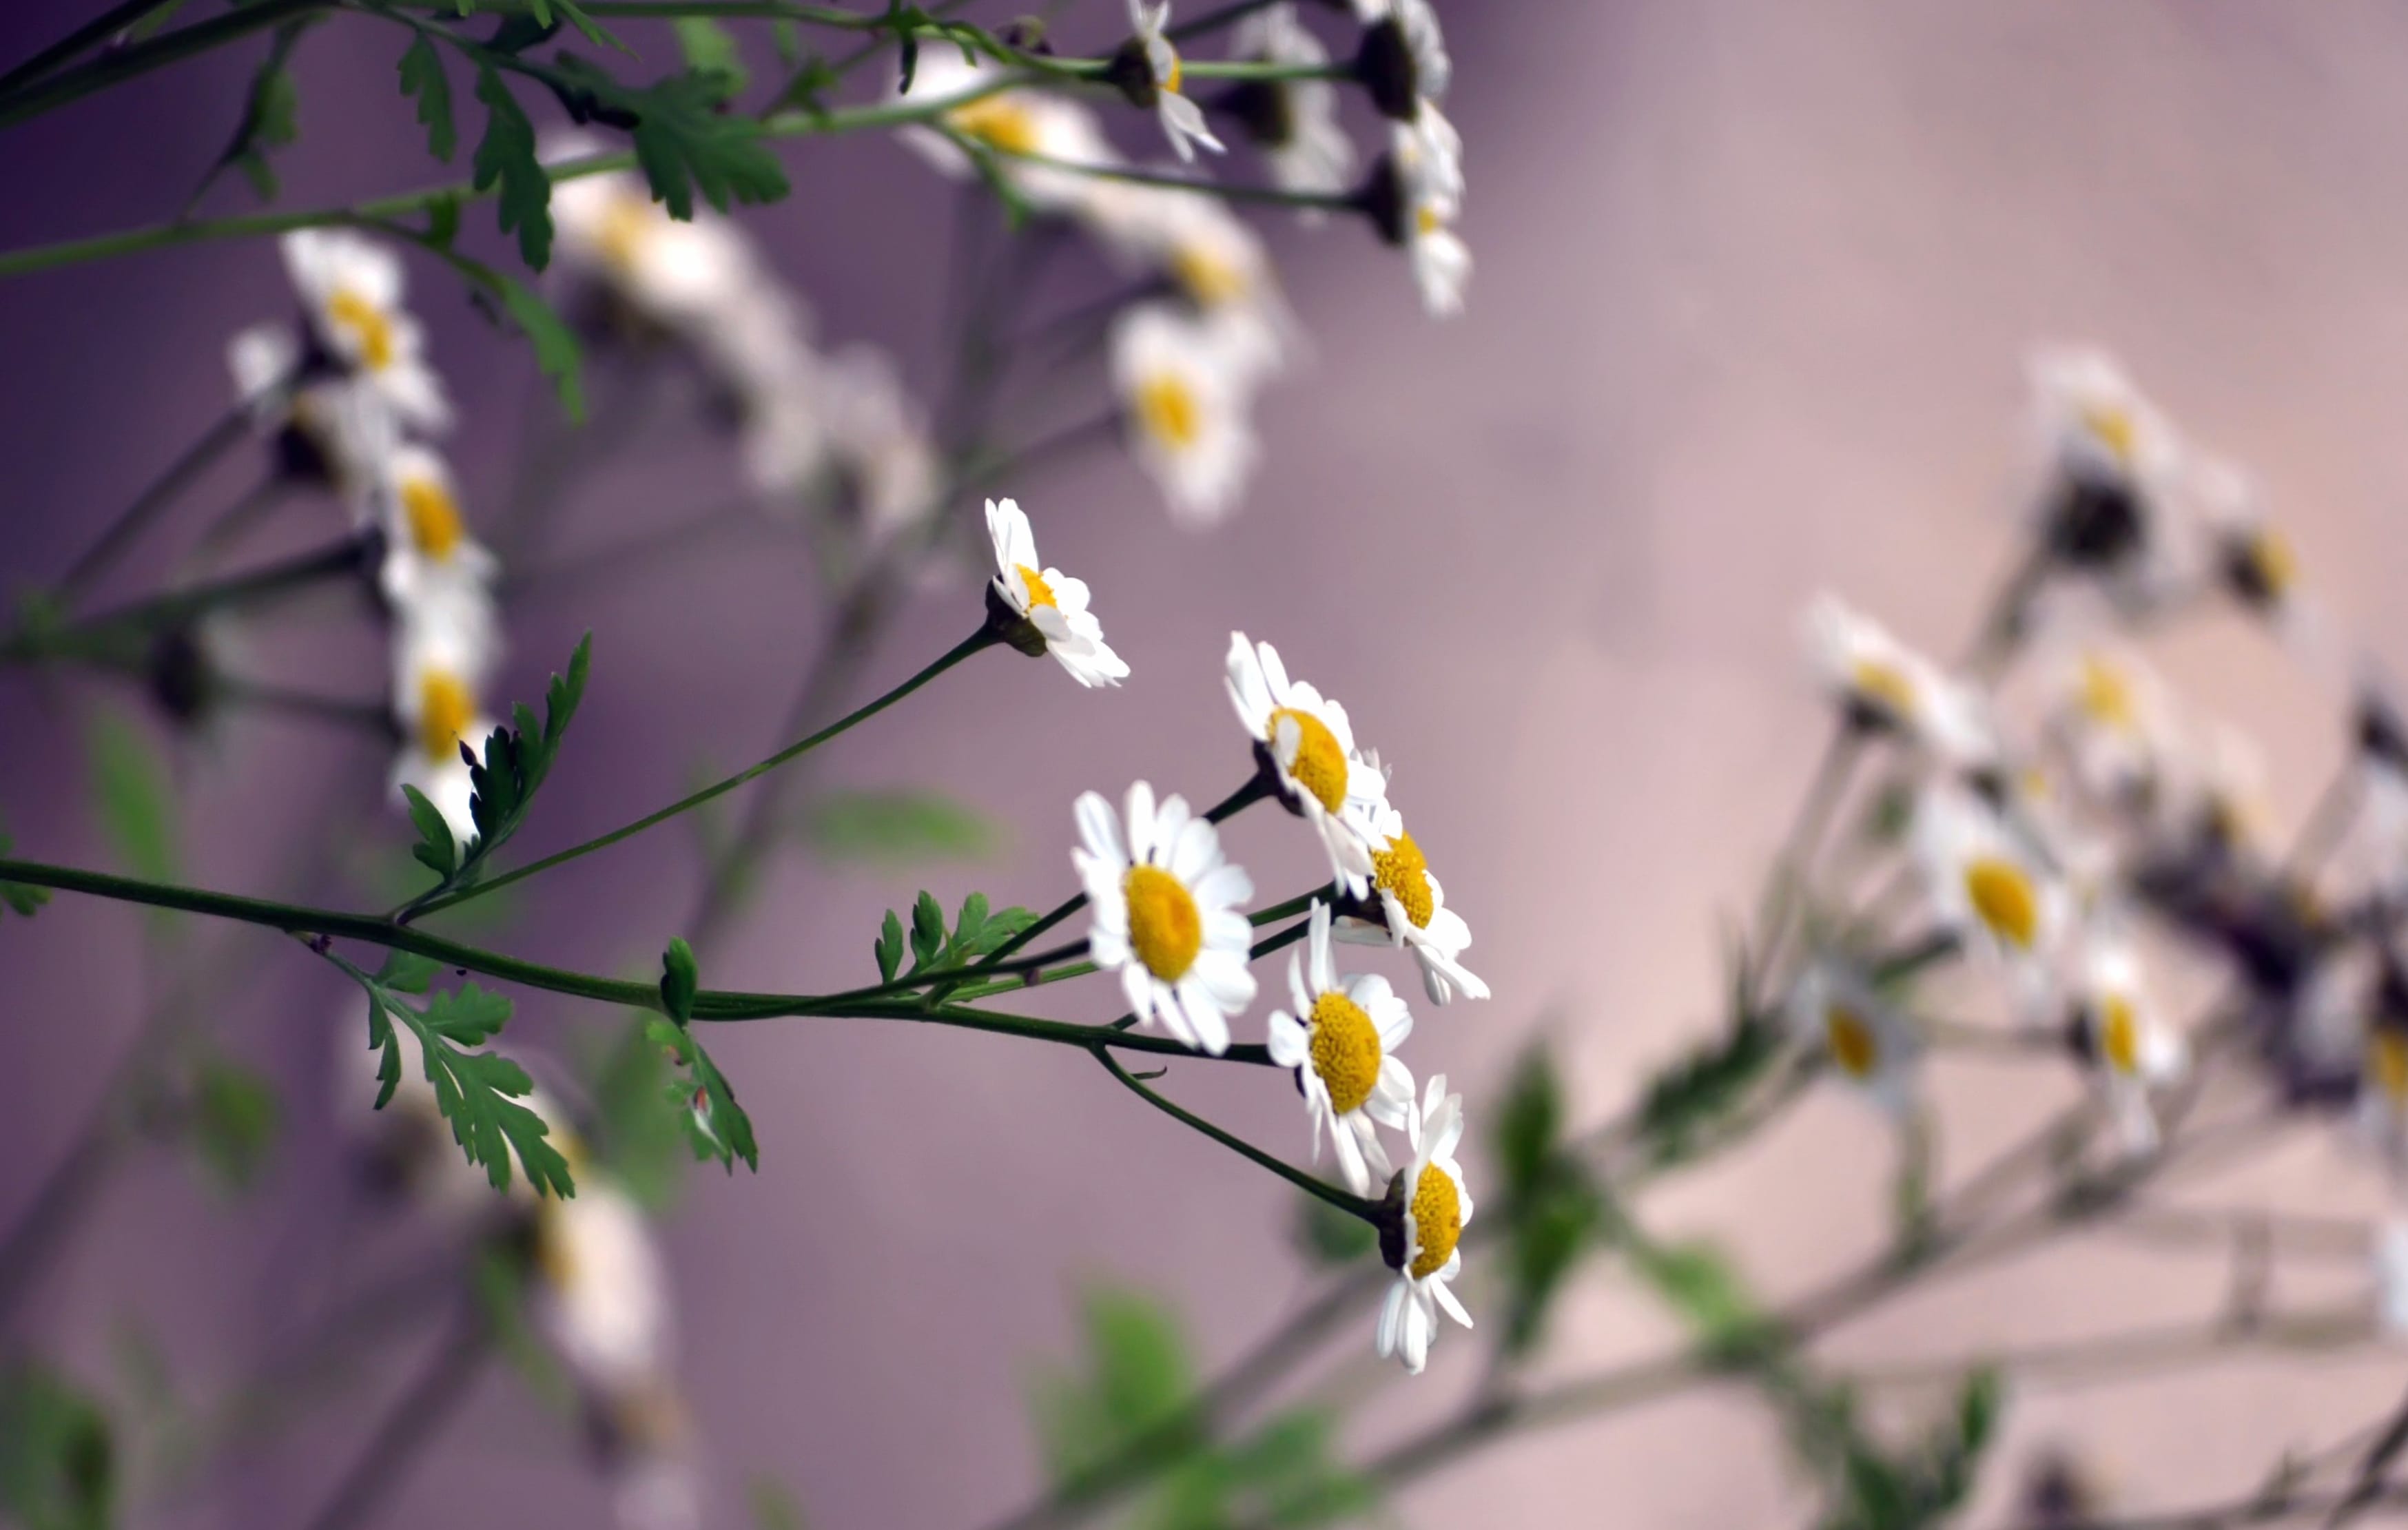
(1294, 122)
(1404, 64)
(1217, 262)
(1184, 385)
(2109, 711)
(890, 479)
(1342, 1039)
(1989, 888)
(1182, 120)
(1835, 1011)
(602, 1294)
(2218, 790)
(1168, 914)
(2133, 1048)
(672, 272)
(2391, 1278)
(350, 291)
(1019, 128)
(1308, 742)
(441, 663)
(2114, 507)
(2382, 1082)
(430, 556)
(1884, 684)
(1414, 914)
(1417, 199)
(1437, 1209)
(1050, 601)
(323, 429)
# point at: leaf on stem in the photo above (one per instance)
(717, 1127)
(477, 1090)
(270, 117)
(506, 158)
(711, 49)
(1554, 1212)
(421, 77)
(134, 798)
(503, 781)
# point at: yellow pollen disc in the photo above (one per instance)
(2003, 896)
(2387, 1063)
(1315, 761)
(2115, 427)
(1345, 1048)
(366, 321)
(1401, 872)
(2107, 696)
(1040, 592)
(2277, 567)
(997, 123)
(1426, 219)
(1851, 1036)
(552, 1254)
(446, 706)
(1169, 410)
(1211, 280)
(627, 223)
(1885, 685)
(1176, 73)
(434, 525)
(2119, 1034)
(1165, 925)
(1438, 1221)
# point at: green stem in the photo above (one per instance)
(89, 637)
(982, 639)
(169, 48)
(82, 39)
(1351, 1203)
(162, 492)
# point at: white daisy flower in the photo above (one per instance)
(2391, 1278)
(322, 430)
(1987, 885)
(2133, 1048)
(2114, 507)
(441, 661)
(429, 554)
(602, 1296)
(1169, 915)
(667, 271)
(1049, 602)
(1415, 200)
(350, 291)
(1436, 1207)
(1342, 1039)
(1834, 1009)
(1308, 743)
(1183, 119)
(2111, 714)
(1017, 128)
(1293, 121)
(1414, 913)
(1184, 385)
(1218, 263)
(1883, 684)
(1403, 62)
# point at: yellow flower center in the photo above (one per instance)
(1175, 73)
(435, 525)
(2387, 1062)
(2271, 558)
(1345, 1048)
(446, 706)
(2003, 896)
(1167, 408)
(2107, 696)
(1208, 279)
(2115, 427)
(1165, 925)
(367, 323)
(554, 1258)
(627, 223)
(999, 123)
(1438, 1221)
(1040, 592)
(1853, 1044)
(1885, 685)
(1427, 220)
(1401, 872)
(1314, 759)
(2119, 1033)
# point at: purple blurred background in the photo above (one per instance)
(1755, 282)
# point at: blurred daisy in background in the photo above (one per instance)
(1833, 1009)
(350, 290)
(1989, 888)
(2133, 1049)
(441, 663)
(1185, 388)
(1883, 685)
(1293, 122)
(430, 555)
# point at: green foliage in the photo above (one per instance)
(898, 827)
(1328, 1236)
(1136, 1379)
(503, 781)
(235, 1120)
(1553, 1211)
(1692, 1095)
(641, 1129)
(422, 79)
(21, 898)
(717, 1127)
(976, 934)
(711, 49)
(773, 1505)
(1709, 1296)
(477, 1090)
(58, 1456)
(1913, 1487)
(684, 139)
(506, 158)
(679, 980)
(270, 117)
(134, 798)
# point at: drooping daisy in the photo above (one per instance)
(1403, 61)
(430, 554)
(1185, 387)
(1885, 685)
(1183, 119)
(2113, 507)
(441, 663)
(350, 291)
(1990, 888)
(1169, 915)
(1423, 1251)
(1414, 198)
(1414, 914)
(1307, 742)
(602, 1288)
(1032, 137)
(1342, 1039)
(1834, 1009)
(1293, 121)
(2133, 1048)
(1048, 602)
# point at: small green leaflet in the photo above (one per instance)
(506, 158)
(711, 49)
(683, 138)
(271, 119)
(58, 1459)
(477, 1090)
(134, 798)
(717, 1127)
(976, 934)
(422, 76)
(21, 897)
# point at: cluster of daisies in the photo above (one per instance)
(2069, 827)
(1170, 920)
(1188, 356)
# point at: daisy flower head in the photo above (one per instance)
(1217, 262)
(660, 271)
(1019, 130)
(1403, 61)
(1414, 913)
(1433, 1208)
(321, 430)
(1885, 686)
(430, 554)
(1168, 914)
(2114, 463)
(1148, 71)
(350, 291)
(442, 658)
(1184, 384)
(1414, 200)
(1042, 609)
(602, 1296)
(1987, 885)
(1834, 1009)
(1342, 1039)
(2131, 1046)
(1306, 744)
(1293, 121)
(2109, 713)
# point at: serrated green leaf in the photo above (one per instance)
(469, 1015)
(438, 848)
(58, 1454)
(898, 827)
(407, 972)
(928, 930)
(270, 117)
(889, 947)
(685, 144)
(721, 1132)
(679, 980)
(135, 799)
(422, 77)
(478, 1092)
(506, 158)
(711, 49)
